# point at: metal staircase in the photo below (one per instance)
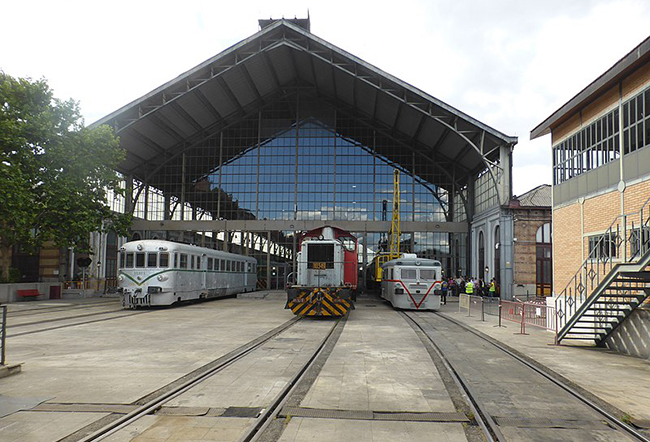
(611, 283)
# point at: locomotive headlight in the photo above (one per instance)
(120, 278)
(162, 278)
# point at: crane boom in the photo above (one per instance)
(395, 229)
(394, 235)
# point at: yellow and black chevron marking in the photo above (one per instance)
(320, 301)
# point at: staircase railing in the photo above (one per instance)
(621, 243)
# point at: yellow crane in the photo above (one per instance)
(394, 234)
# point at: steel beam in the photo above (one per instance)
(296, 225)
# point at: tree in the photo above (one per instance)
(54, 172)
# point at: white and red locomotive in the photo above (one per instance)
(326, 274)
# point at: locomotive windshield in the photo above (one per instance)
(408, 273)
(320, 256)
(428, 274)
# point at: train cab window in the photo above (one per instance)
(349, 243)
(163, 261)
(227, 266)
(210, 263)
(428, 274)
(191, 261)
(239, 266)
(199, 263)
(249, 267)
(139, 259)
(183, 261)
(320, 256)
(408, 274)
(152, 259)
(177, 261)
(122, 260)
(221, 265)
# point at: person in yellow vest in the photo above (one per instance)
(469, 287)
(493, 288)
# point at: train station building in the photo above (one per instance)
(284, 132)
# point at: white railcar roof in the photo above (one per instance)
(171, 246)
(420, 262)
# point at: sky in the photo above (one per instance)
(508, 63)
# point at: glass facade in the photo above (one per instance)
(300, 159)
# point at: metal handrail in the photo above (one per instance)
(612, 242)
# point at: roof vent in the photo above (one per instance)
(304, 23)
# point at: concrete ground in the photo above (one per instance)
(378, 364)
(618, 379)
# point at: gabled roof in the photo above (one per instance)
(540, 196)
(636, 58)
(186, 111)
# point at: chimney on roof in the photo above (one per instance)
(304, 23)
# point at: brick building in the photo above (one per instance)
(531, 214)
(601, 163)
(601, 208)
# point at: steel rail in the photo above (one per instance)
(486, 423)
(157, 402)
(55, 308)
(75, 324)
(65, 318)
(265, 419)
(611, 419)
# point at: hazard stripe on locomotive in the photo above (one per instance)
(326, 274)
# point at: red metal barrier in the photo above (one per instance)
(529, 313)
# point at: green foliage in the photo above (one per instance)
(13, 276)
(54, 172)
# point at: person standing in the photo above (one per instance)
(445, 287)
(493, 288)
(452, 287)
(469, 287)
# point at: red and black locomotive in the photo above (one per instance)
(326, 274)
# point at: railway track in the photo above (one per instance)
(483, 415)
(120, 314)
(54, 308)
(266, 419)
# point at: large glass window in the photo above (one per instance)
(297, 161)
(152, 260)
(598, 143)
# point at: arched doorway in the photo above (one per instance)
(481, 256)
(497, 255)
(543, 261)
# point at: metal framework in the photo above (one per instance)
(198, 146)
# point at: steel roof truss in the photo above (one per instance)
(401, 99)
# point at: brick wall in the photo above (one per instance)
(526, 223)
(567, 237)
(599, 213)
(635, 196)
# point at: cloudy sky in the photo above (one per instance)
(508, 63)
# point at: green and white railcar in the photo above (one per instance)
(156, 272)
